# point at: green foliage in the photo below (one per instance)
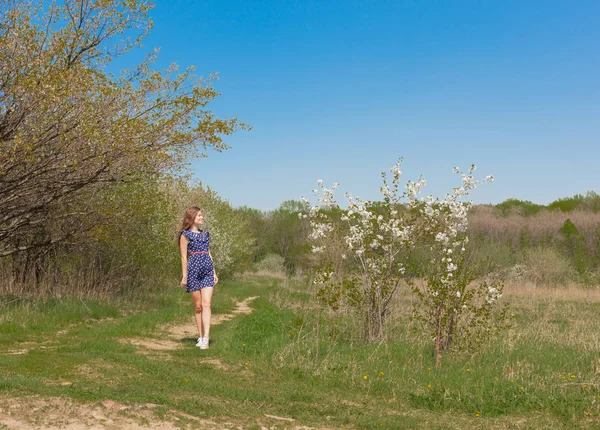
(589, 202)
(573, 245)
(105, 129)
(92, 196)
(258, 228)
(286, 234)
(568, 204)
(544, 265)
(134, 229)
(592, 202)
(271, 263)
(523, 207)
(133, 241)
(488, 256)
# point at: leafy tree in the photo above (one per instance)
(288, 234)
(568, 204)
(573, 244)
(526, 207)
(68, 128)
(258, 228)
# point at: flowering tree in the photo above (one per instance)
(365, 249)
(455, 308)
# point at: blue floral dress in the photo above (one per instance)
(200, 266)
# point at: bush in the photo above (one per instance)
(545, 265)
(272, 263)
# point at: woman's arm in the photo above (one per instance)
(183, 243)
(214, 271)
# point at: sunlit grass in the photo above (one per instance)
(542, 373)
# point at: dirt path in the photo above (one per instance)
(35, 412)
(175, 336)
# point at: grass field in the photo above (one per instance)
(131, 362)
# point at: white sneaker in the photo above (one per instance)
(204, 343)
(199, 343)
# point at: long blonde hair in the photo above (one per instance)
(189, 217)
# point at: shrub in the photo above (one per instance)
(272, 263)
(545, 265)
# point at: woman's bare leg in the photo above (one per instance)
(197, 299)
(206, 311)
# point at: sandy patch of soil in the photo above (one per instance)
(175, 336)
(60, 413)
(154, 344)
(189, 330)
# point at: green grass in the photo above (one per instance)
(543, 373)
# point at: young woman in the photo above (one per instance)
(199, 276)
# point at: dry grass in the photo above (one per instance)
(568, 292)
(90, 283)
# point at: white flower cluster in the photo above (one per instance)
(493, 295)
(372, 236)
(376, 234)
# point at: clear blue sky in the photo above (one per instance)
(338, 90)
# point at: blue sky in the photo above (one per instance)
(339, 90)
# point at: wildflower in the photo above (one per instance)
(381, 373)
(428, 385)
(477, 414)
(469, 369)
(429, 369)
(365, 377)
(186, 380)
(521, 388)
(246, 363)
(243, 344)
